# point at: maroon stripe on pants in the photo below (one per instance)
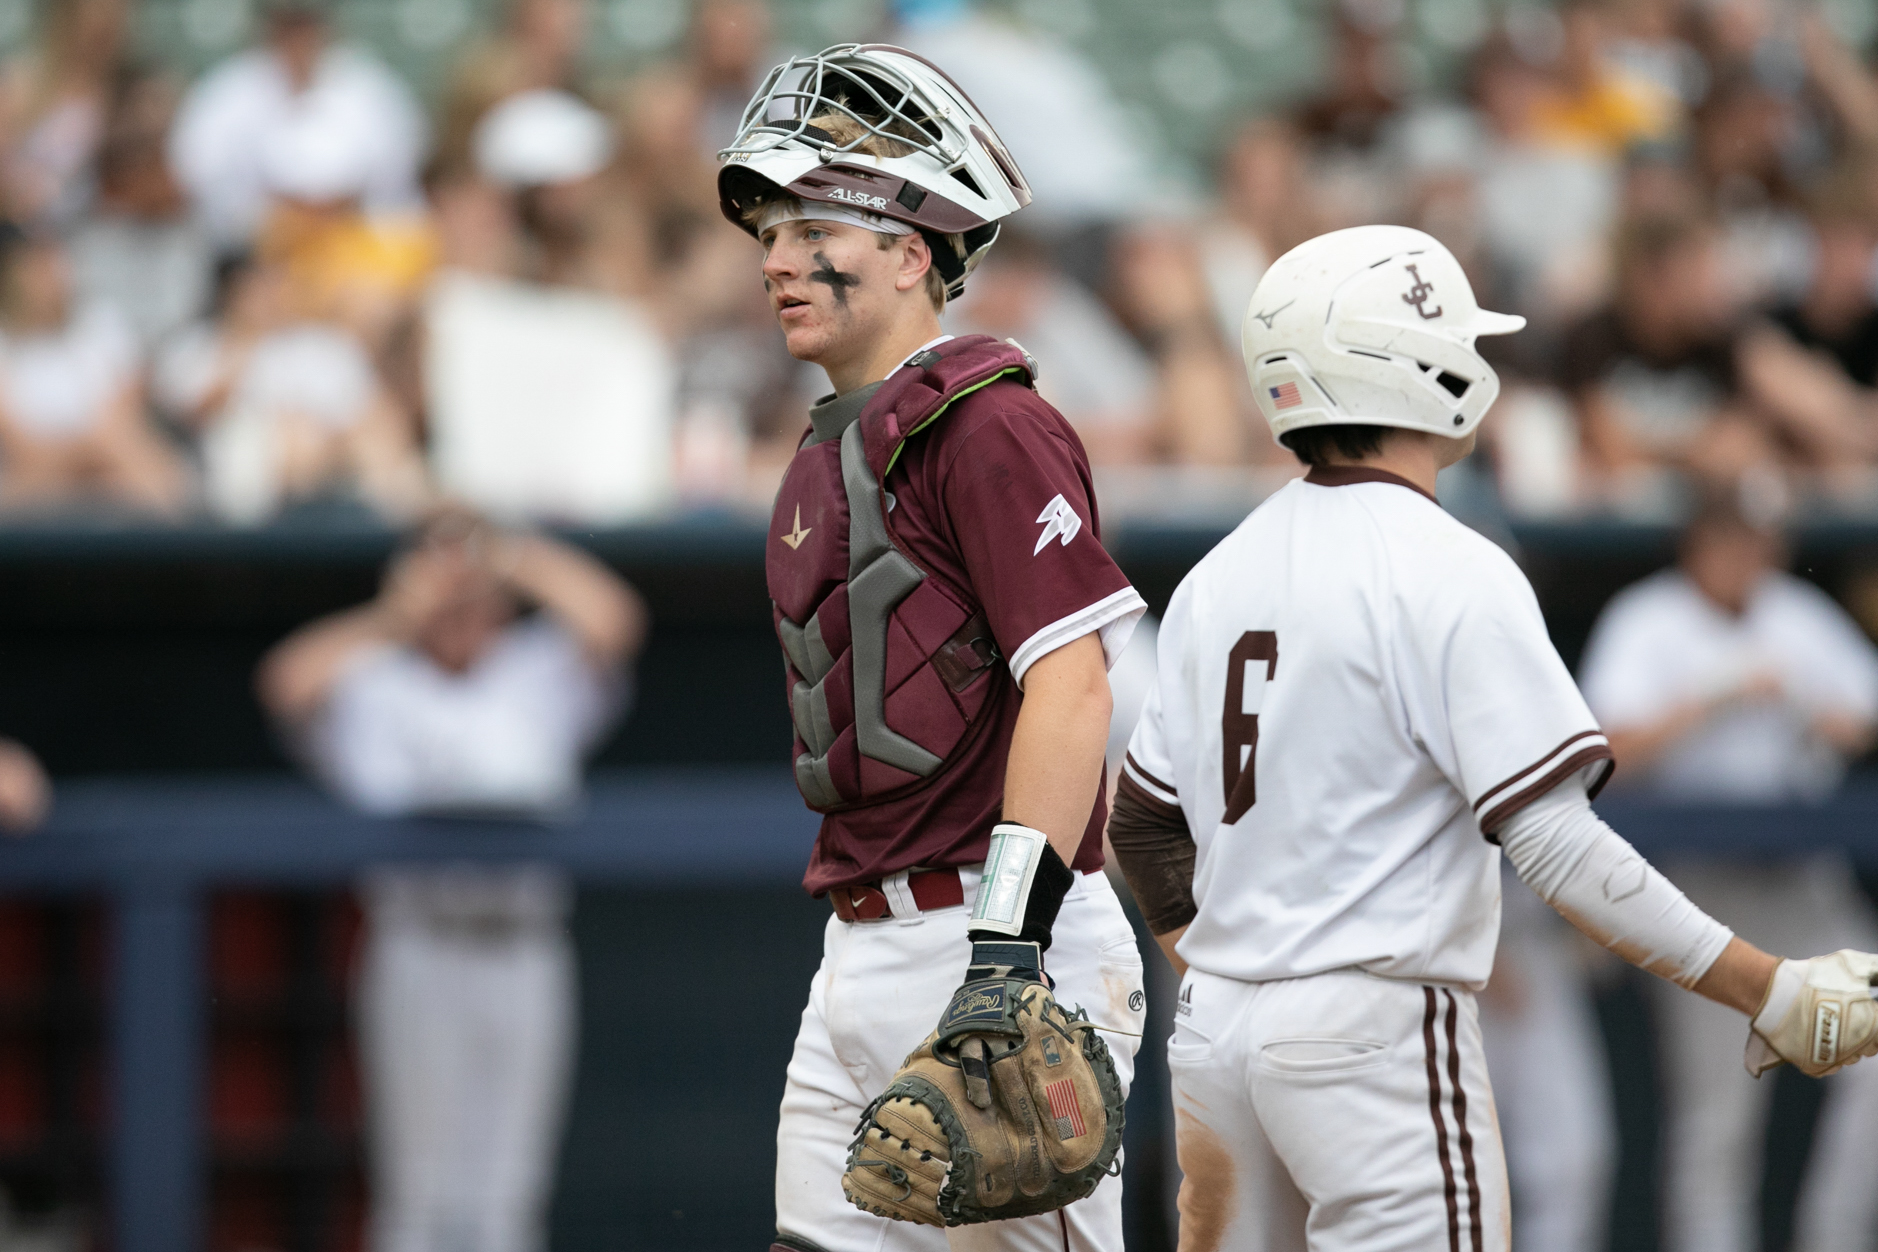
(1460, 1120)
(1441, 1127)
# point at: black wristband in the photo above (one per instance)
(1048, 886)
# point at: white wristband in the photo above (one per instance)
(1010, 865)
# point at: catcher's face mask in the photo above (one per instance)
(949, 177)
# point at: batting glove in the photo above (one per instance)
(1819, 1015)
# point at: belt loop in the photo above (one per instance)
(899, 895)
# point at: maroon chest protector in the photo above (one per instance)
(888, 664)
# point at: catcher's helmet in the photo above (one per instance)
(1372, 325)
(953, 178)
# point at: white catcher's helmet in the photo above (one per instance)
(1372, 325)
(953, 186)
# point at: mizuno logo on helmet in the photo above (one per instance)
(1267, 317)
(861, 198)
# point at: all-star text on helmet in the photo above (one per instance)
(876, 128)
(1374, 325)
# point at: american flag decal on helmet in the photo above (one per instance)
(1064, 1108)
(1285, 396)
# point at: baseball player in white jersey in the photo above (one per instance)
(1357, 709)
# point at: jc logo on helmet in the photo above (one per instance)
(1419, 293)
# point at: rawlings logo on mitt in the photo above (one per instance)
(1012, 1107)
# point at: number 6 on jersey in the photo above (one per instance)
(1239, 724)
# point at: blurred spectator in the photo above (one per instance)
(298, 76)
(545, 398)
(1835, 316)
(72, 426)
(1089, 367)
(1365, 83)
(1598, 104)
(1649, 40)
(1546, 205)
(1265, 208)
(345, 265)
(1203, 405)
(1742, 154)
(25, 791)
(1653, 376)
(438, 697)
(727, 52)
(1725, 680)
(140, 249)
(1059, 117)
(661, 238)
(538, 48)
(53, 107)
(290, 412)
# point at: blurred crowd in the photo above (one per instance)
(289, 289)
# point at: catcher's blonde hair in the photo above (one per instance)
(843, 130)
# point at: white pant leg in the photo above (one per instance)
(878, 993)
(1550, 1082)
(1373, 1094)
(406, 1061)
(466, 1049)
(522, 1027)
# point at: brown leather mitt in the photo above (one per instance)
(1012, 1107)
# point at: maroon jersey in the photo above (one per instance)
(992, 507)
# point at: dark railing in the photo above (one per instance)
(155, 849)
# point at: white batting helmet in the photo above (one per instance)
(1372, 325)
(953, 181)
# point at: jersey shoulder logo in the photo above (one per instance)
(795, 537)
(1058, 518)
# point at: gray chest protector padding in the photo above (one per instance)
(880, 577)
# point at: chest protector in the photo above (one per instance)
(889, 664)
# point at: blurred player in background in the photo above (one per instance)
(1727, 680)
(1357, 700)
(947, 612)
(25, 791)
(440, 697)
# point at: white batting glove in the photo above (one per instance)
(1819, 1015)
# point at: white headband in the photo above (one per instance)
(777, 212)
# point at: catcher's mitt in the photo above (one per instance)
(1012, 1107)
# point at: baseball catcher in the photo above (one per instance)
(947, 616)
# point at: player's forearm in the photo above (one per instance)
(1599, 883)
(1055, 763)
(296, 677)
(1739, 977)
(605, 614)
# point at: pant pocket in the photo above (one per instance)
(1321, 1054)
(1124, 999)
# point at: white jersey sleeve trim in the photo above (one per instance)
(1164, 792)
(1587, 748)
(1113, 617)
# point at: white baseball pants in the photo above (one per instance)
(1547, 1060)
(1371, 1092)
(467, 1047)
(880, 990)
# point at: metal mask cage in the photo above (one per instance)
(842, 80)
